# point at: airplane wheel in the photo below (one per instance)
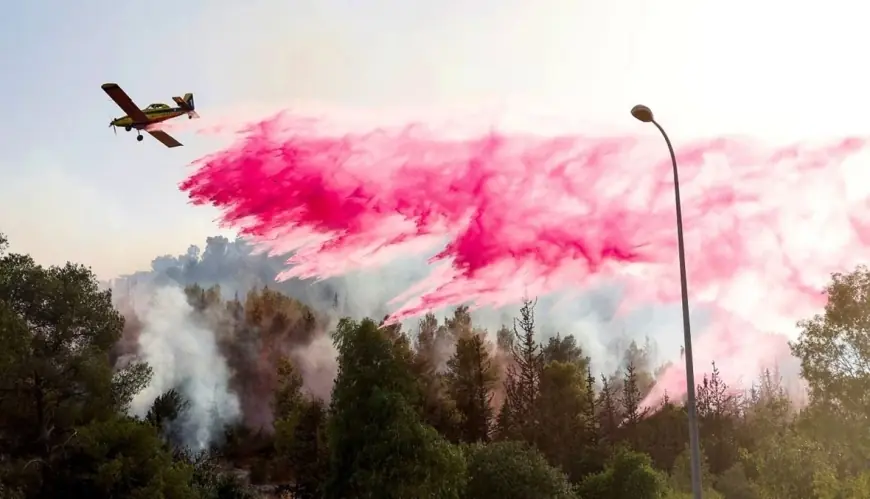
(139, 138)
(127, 128)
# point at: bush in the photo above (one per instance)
(513, 470)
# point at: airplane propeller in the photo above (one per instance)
(113, 127)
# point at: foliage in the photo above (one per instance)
(565, 349)
(628, 475)
(165, 412)
(378, 445)
(118, 457)
(471, 378)
(453, 413)
(779, 466)
(210, 483)
(57, 328)
(834, 351)
(63, 428)
(308, 453)
(561, 407)
(681, 474)
(513, 470)
(519, 417)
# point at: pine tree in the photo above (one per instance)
(470, 379)
(592, 429)
(378, 445)
(631, 409)
(608, 417)
(560, 435)
(504, 339)
(308, 455)
(717, 414)
(565, 349)
(522, 384)
(631, 397)
(460, 324)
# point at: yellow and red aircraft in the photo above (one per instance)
(140, 119)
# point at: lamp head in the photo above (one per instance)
(642, 113)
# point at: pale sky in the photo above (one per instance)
(70, 190)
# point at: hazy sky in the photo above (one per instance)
(69, 189)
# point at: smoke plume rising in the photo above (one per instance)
(184, 355)
(212, 326)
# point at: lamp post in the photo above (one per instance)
(644, 114)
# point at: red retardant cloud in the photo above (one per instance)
(527, 215)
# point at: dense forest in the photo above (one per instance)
(441, 410)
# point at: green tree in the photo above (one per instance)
(459, 325)
(589, 412)
(834, 352)
(522, 383)
(734, 484)
(308, 454)
(57, 328)
(562, 435)
(632, 411)
(288, 405)
(783, 465)
(504, 340)
(663, 434)
(640, 358)
(117, 457)
(608, 413)
(681, 474)
(258, 335)
(288, 397)
(513, 470)
(834, 348)
(828, 486)
(564, 349)
(470, 380)
(379, 448)
(165, 411)
(201, 299)
(766, 411)
(718, 414)
(166, 408)
(628, 475)
(434, 342)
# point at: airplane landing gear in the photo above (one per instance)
(128, 128)
(139, 138)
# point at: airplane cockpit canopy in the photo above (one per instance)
(157, 105)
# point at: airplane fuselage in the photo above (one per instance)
(142, 119)
(154, 116)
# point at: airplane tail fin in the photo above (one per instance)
(188, 98)
(186, 103)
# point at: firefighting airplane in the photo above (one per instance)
(140, 119)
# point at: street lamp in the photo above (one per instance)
(644, 114)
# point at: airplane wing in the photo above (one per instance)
(124, 102)
(164, 137)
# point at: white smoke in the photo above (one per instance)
(318, 365)
(592, 315)
(184, 355)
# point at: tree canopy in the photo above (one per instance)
(442, 410)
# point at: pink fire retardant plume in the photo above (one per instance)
(527, 215)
